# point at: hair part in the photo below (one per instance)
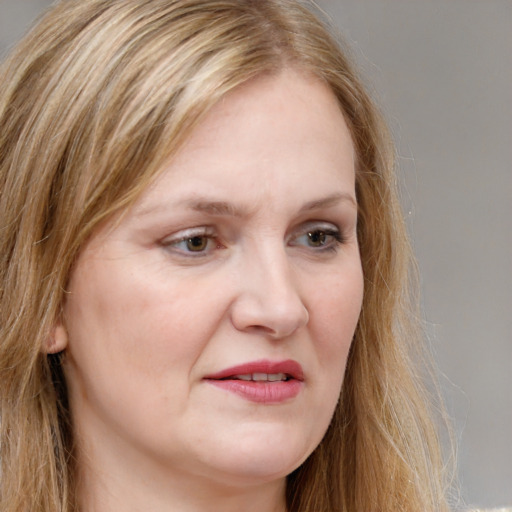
(99, 95)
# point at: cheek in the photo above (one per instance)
(334, 312)
(132, 346)
(334, 318)
(336, 309)
(143, 326)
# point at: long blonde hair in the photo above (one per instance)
(92, 102)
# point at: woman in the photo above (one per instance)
(205, 295)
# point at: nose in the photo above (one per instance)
(268, 299)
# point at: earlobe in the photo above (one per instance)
(58, 339)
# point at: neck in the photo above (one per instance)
(120, 485)
(186, 496)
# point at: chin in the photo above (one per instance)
(263, 457)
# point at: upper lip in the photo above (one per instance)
(289, 367)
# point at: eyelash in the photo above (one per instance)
(189, 236)
(332, 236)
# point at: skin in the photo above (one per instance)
(150, 313)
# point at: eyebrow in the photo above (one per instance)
(225, 208)
(217, 208)
(228, 209)
(328, 202)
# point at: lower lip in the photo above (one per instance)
(261, 391)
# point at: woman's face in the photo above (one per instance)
(207, 331)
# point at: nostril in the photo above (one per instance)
(260, 328)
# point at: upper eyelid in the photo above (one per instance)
(314, 225)
(318, 224)
(332, 231)
(188, 233)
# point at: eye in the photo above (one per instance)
(319, 237)
(192, 243)
(196, 243)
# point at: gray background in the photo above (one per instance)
(442, 71)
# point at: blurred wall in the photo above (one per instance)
(442, 72)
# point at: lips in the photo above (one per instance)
(261, 381)
(290, 368)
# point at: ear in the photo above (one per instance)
(58, 339)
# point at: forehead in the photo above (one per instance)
(294, 98)
(276, 127)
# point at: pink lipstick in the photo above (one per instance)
(261, 381)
